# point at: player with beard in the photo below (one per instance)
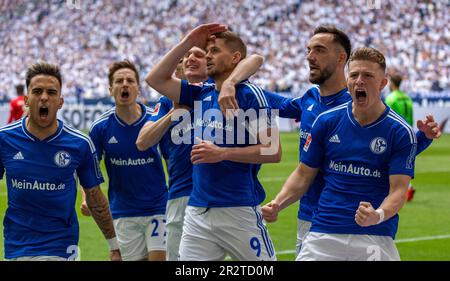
(223, 214)
(327, 53)
(161, 129)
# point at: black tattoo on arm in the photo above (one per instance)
(99, 207)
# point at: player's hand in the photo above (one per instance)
(366, 215)
(115, 255)
(200, 35)
(227, 100)
(206, 152)
(270, 211)
(84, 209)
(429, 127)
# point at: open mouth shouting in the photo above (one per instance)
(360, 96)
(124, 94)
(43, 112)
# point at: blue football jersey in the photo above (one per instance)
(41, 178)
(177, 154)
(306, 109)
(137, 185)
(227, 183)
(356, 162)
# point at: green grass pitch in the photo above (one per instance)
(424, 230)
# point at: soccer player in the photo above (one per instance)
(159, 130)
(366, 152)
(42, 158)
(328, 51)
(17, 105)
(137, 188)
(223, 214)
(402, 104)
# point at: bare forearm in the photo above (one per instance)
(161, 74)
(99, 208)
(246, 68)
(293, 189)
(393, 203)
(152, 132)
(252, 154)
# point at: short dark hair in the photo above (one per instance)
(396, 78)
(369, 54)
(43, 68)
(20, 89)
(233, 42)
(119, 65)
(339, 37)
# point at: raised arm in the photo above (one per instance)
(293, 189)
(428, 130)
(245, 68)
(160, 77)
(99, 209)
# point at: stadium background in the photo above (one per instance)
(83, 37)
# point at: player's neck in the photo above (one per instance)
(39, 132)
(219, 79)
(366, 116)
(333, 85)
(129, 113)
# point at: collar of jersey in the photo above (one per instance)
(376, 122)
(333, 98)
(143, 114)
(47, 139)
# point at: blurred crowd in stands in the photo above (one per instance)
(84, 37)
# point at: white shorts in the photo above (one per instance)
(303, 228)
(175, 211)
(138, 236)
(38, 258)
(347, 247)
(210, 234)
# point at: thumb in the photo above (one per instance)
(365, 204)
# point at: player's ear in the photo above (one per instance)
(61, 102)
(25, 99)
(110, 91)
(383, 83)
(236, 57)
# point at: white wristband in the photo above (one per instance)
(381, 213)
(113, 244)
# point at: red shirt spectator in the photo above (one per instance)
(17, 105)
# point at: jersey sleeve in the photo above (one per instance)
(287, 107)
(313, 151)
(188, 93)
(422, 142)
(89, 169)
(252, 98)
(95, 133)
(403, 152)
(161, 109)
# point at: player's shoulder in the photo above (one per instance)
(246, 90)
(103, 119)
(12, 127)
(164, 102)
(399, 125)
(76, 137)
(332, 115)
